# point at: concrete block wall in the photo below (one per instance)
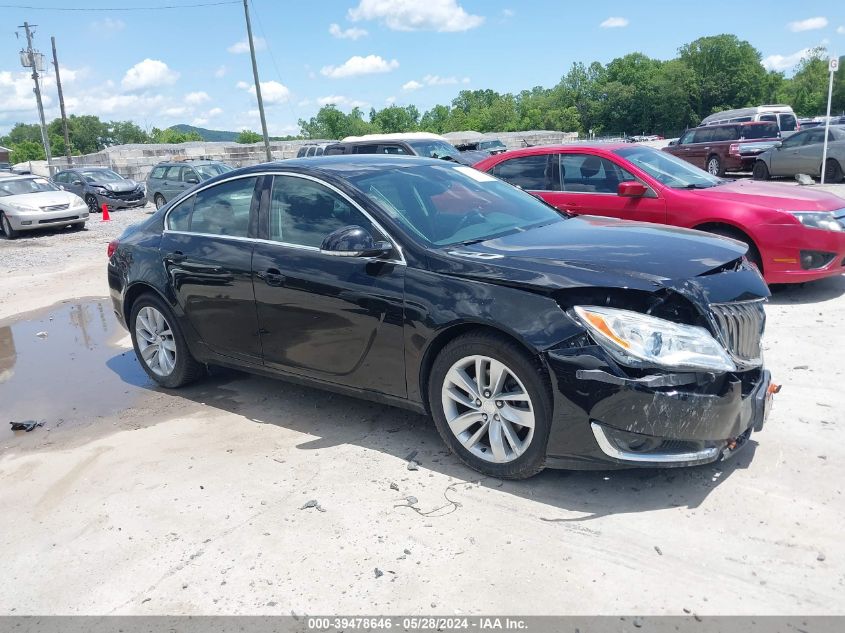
(135, 161)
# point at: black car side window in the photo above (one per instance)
(219, 210)
(304, 212)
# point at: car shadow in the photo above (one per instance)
(810, 292)
(570, 496)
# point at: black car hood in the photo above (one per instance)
(603, 252)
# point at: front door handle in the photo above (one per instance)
(176, 257)
(272, 277)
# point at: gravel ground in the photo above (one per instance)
(52, 249)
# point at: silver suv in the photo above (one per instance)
(169, 179)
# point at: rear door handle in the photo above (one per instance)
(272, 277)
(176, 257)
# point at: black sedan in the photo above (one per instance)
(532, 338)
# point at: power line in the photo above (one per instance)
(147, 8)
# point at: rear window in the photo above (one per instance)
(158, 172)
(765, 130)
(787, 123)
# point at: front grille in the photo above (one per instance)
(56, 207)
(128, 195)
(70, 217)
(741, 327)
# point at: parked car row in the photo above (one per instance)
(724, 147)
(30, 202)
(802, 153)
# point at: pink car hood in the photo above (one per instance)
(772, 195)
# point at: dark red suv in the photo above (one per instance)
(726, 147)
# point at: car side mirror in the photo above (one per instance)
(192, 180)
(631, 189)
(354, 241)
(78, 183)
(778, 145)
(674, 142)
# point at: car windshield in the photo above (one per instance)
(453, 204)
(101, 175)
(668, 169)
(491, 144)
(433, 149)
(211, 170)
(21, 186)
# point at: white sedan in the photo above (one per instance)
(33, 202)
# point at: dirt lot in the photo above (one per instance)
(135, 500)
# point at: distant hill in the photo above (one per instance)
(207, 135)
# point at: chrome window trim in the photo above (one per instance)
(354, 204)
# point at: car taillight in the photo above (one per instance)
(733, 150)
(112, 247)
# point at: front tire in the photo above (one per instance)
(761, 171)
(160, 344)
(833, 172)
(77, 226)
(753, 253)
(715, 167)
(491, 403)
(6, 225)
(93, 205)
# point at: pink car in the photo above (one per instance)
(794, 234)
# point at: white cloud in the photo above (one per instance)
(109, 25)
(199, 121)
(342, 102)
(214, 112)
(221, 71)
(614, 23)
(149, 73)
(16, 93)
(175, 111)
(243, 46)
(390, 101)
(352, 33)
(433, 80)
(841, 30)
(785, 62)
(242, 85)
(272, 92)
(195, 98)
(358, 65)
(412, 15)
(810, 24)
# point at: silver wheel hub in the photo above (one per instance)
(488, 409)
(155, 341)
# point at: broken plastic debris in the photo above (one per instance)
(26, 425)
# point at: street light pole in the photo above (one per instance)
(45, 139)
(257, 83)
(62, 104)
(833, 66)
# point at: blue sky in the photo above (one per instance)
(190, 65)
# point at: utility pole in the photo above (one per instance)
(257, 83)
(61, 103)
(832, 66)
(30, 63)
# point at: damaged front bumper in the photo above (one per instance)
(605, 418)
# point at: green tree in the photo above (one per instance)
(331, 123)
(395, 119)
(172, 136)
(728, 72)
(26, 150)
(22, 132)
(436, 120)
(248, 136)
(125, 132)
(806, 92)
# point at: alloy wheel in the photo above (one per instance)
(155, 341)
(91, 201)
(713, 166)
(488, 409)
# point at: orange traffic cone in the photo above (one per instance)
(106, 217)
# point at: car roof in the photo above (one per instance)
(189, 162)
(344, 165)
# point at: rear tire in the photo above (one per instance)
(761, 171)
(833, 172)
(160, 344)
(159, 201)
(753, 253)
(714, 166)
(78, 226)
(495, 437)
(8, 231)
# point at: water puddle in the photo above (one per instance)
(71, 363)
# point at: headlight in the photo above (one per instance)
(639, 340)
(26, 208)
(818, 220)
(101, 190)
